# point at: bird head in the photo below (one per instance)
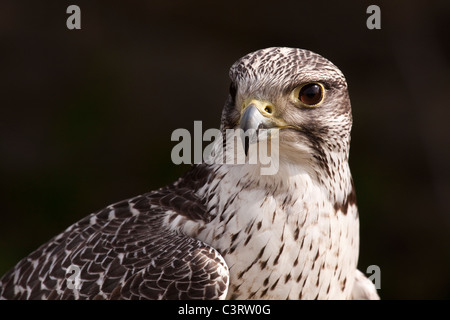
(296, 92)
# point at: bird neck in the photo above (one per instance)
(332, 182)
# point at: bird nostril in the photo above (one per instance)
(268, 109)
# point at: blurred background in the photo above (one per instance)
(86, 115)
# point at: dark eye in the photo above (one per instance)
(311, 94)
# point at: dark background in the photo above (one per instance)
(86, 115)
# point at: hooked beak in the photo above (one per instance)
(256, 115)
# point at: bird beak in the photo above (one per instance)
(256, 115)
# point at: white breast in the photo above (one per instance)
(283, 240)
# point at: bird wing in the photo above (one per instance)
(125, 251)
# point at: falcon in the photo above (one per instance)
(226, 231)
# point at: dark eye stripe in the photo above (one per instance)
(233, 89)
(233, 92)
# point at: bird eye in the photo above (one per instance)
(310, 94)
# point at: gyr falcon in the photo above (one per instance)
(224, 230)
